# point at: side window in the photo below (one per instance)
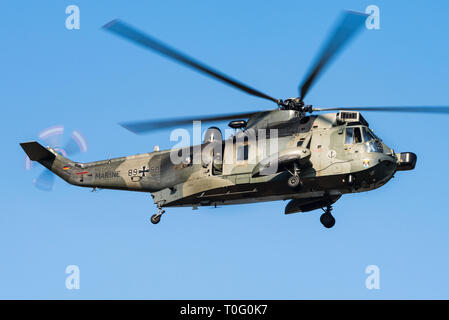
(349, 136)
(353, 135)
(242, 153)
(357, 135)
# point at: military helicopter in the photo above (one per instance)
(316, 158)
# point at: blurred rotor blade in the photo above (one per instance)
(126, 31)
(350, 24)
(45, 181)
(145, 126)
(52, 136)
(76, 144)
(408, 109)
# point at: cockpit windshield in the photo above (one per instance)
(372, 142)
(362, 134)
(368, 135)
(355, 134)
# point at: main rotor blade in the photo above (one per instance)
(145, 126)
(351, 23)
(412, 109)
(126, 31)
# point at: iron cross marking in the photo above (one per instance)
(143, 171)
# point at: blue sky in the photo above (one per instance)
(90, 80)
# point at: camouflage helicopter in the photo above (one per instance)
(317, 158)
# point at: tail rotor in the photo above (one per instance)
(53, 137)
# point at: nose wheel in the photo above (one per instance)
(155, 218)
(327, 219)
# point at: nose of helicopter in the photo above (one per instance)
(378, 170)
(377, 166)
(380, 166)
(403, 161)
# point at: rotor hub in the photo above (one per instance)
(294, 104)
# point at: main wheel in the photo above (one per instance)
(327, 220)
(293, 182)
(155, 218)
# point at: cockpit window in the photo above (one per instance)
(368, 135)
(349, 136)
(357, 135)
(374, 135)
(372, 142)
(353, 135)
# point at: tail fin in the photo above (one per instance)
(48, 158)
(37, 152)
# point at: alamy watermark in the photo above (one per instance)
(244, 147)
(73, 20)
(373, 279)
(373, 20)
(72, 282)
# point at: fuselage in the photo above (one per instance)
(332, 157)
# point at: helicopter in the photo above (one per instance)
(287, 153)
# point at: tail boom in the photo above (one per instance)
(126, 173)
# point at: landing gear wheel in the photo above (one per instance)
(293, 182)
(327, 220)
(155, 218)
